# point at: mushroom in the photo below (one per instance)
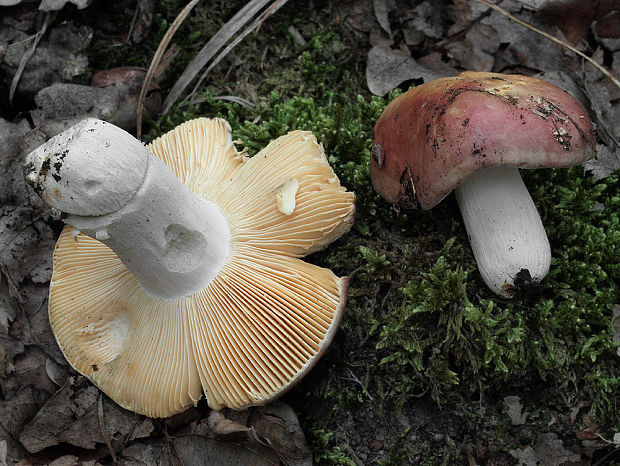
(177, 273)
(471, 133)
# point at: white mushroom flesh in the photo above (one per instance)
(113, 189)
(505, 230)
(285, 196)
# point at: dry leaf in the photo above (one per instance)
(226, 429)
(574, 17)
(127, 83)
(615, 323)
(65, 460)
(382, 10)
(279, 426)
(55, 5)
(14, 414)
(476, 51)
(26, 244)
(139, 454)
(194, 449)
(428, 18)
(70, 416)
(387, 68)
(548, 451)
(59, 58)
(113, 97)
(606, 162)
(63, 100)
(142, 21)
(586, 435)
(525, 47)
(31, 368)
(514, 406)
(357, 14)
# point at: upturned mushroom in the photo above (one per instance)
(472, 133)
(179, 273)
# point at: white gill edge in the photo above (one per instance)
(504, 228)
(114, 190)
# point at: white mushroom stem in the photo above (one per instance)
(113, 189)
(506, 234)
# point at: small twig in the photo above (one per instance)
(465, 30)
(611, 77)
(159, 53)
(101, 426)
(229, 98)
(133, 21)
(171, 446)
(49, 16)
(353, 378)
(275, 6)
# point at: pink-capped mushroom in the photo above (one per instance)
(472, 133)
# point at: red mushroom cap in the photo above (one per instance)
(433, 137)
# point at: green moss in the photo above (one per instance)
(325, 452)
(442, 334)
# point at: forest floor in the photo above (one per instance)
(429, 366)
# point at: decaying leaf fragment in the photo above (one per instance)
(70, 416)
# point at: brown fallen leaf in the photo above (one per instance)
(226, 429)
(31, 368)
(607, 31)
(70, 416)
(606, 162)
(14, 414)
(586, 435)
(574, 17)
(277, 423)
(475, 51)
(387, 68)
(127, 83)
(58, 58)
(357, 14)
(196, 449)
